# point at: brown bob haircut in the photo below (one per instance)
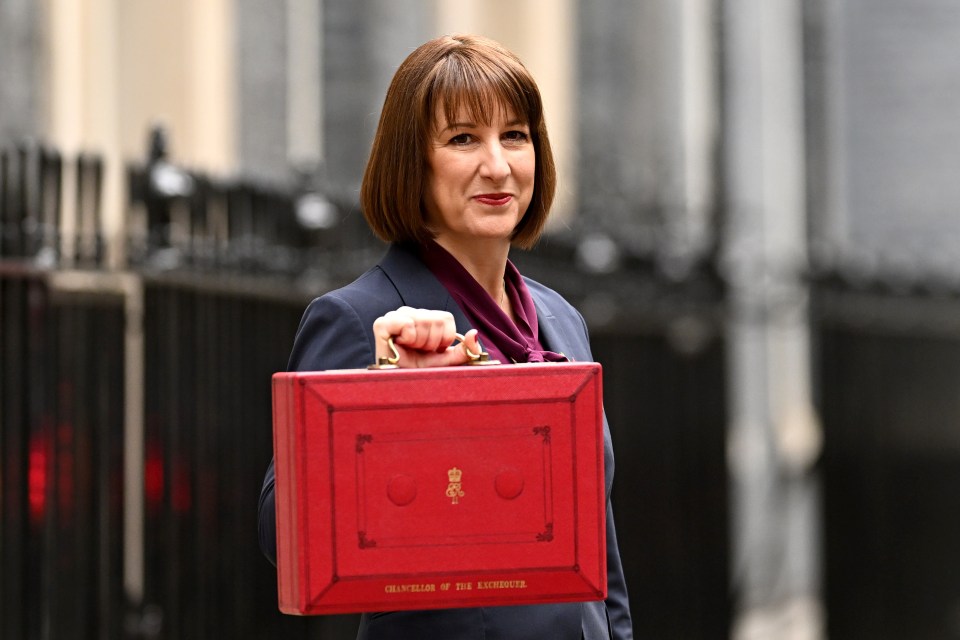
(450, 72)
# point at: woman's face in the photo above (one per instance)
(480, 177)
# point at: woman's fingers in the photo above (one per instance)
(456, 354)
(416, 333)
(469, 344)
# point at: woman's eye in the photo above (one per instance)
(463, 138)
(516, 136)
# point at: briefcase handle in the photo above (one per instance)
(390, 362)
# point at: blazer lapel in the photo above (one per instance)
(417, 286)
(551, 331)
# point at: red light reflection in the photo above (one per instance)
(37, 477)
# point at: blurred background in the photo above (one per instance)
(758, 218)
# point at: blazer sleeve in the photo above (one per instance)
(332, 335)
(617, 602)
(618, 605)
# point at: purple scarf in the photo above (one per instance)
(503, 339)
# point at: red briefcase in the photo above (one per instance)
(434, 488)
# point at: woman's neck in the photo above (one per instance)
(486, 261)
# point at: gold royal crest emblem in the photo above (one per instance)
(454, 491)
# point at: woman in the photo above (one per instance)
(460, 170)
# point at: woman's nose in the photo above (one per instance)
(493, 163)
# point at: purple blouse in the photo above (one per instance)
(501, 337)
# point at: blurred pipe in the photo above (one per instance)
(698, 121)
(305, 83)
(133, 456)
(773, 435)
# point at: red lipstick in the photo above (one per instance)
(493, 199)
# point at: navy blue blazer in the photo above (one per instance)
(336, 333)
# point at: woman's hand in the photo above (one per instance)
(423, 338)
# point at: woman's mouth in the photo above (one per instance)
(493, 199)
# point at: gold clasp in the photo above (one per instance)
(388, 362)
(482, 358)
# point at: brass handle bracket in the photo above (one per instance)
(392, 361)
